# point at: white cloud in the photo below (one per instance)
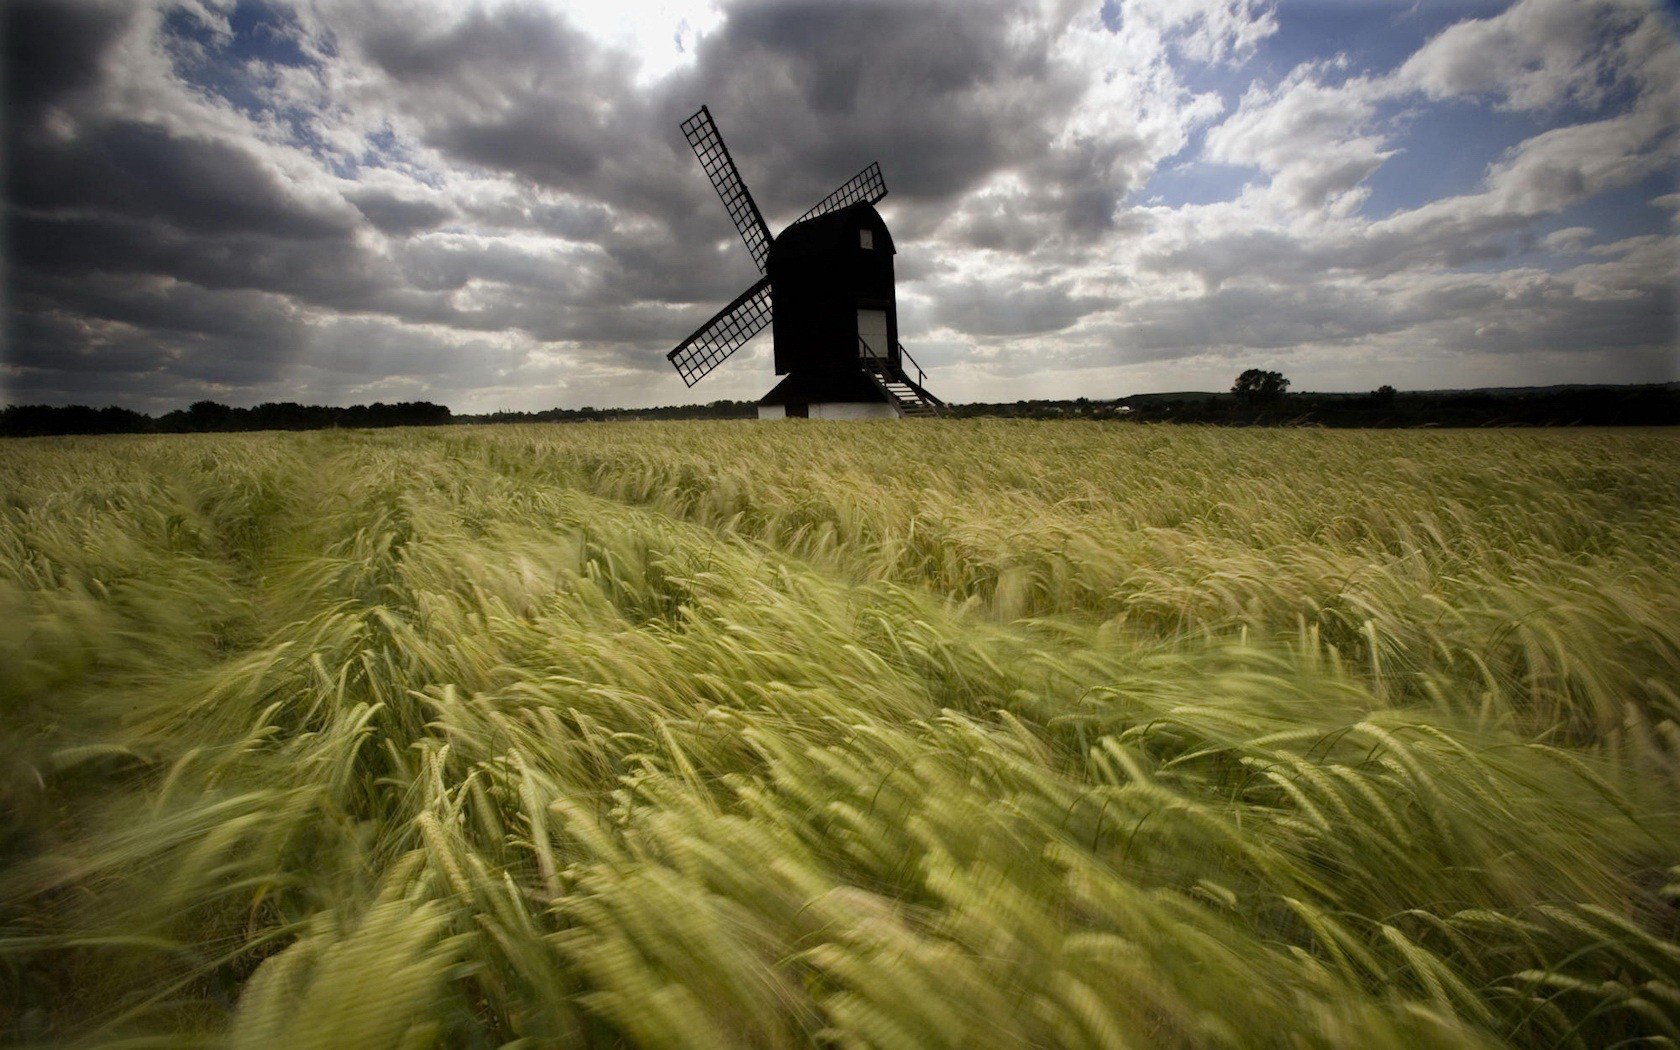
(1313, 139)
(1568, 239)
(662, 34)
(491, 205)
(1204, 30)
(1537, 53)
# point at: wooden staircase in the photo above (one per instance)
(909, 398)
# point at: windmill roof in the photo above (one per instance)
(843, 385)
(834, 230)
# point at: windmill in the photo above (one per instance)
(826, 292)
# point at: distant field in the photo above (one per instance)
(979, 733)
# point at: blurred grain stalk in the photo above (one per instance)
(959, 734)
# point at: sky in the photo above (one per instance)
(490, 205)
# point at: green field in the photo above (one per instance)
(934, 734)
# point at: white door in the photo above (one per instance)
(872, 328)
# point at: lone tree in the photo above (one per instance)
(1257, 386)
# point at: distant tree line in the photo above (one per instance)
(1261, 399)
(1649, 405)
(590, 414)
(212, 417)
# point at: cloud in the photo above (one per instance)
(52, 50)
(490, 204)
(1293, 262)
(1540, 53)
(1205, 30)
(1568, 239)
(129, 168)
(1313, 139)
(985, 308)
(397, 215)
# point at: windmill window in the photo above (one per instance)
(866, 238)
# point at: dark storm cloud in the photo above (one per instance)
(105, 207)
(806, 93)
(397, 215)
(869, 78)
(318, 198)
(167, 306)
(332, 274)
(123, 167)
(139, 248)
(515, 89)
(951, 92)
(52, 49)
(155, 334)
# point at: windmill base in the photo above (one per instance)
(829, 410)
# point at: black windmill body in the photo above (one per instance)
(827, 295)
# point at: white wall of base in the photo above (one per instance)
(853, 410)
(835, 410)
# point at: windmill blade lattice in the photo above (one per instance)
(727, 331)
(703, 137)
(866, 185)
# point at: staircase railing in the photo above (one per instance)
(879, 369)
(904, 355)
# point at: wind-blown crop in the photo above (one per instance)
(946, 734)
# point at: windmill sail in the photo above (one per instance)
(866, 185)
(702, 135)
(724, 334)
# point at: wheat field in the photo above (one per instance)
(945, 734)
